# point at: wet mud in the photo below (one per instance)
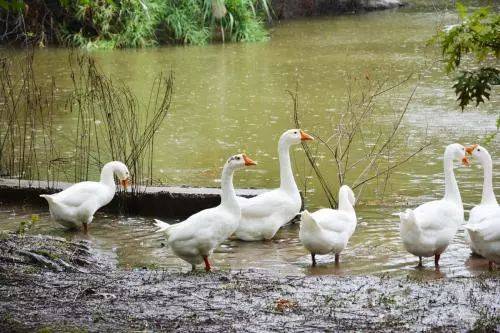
(48, 284)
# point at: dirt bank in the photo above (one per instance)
(50, 284)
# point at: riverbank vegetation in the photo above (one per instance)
(110, 123)
(132, 23)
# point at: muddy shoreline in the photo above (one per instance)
(50, 284)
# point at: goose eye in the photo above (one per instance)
(478, 149)
(238, 158)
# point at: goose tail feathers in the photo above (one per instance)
(162, 226)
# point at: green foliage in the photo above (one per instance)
(199, 21)
(476, 41)
(26, 226)
(12, 5)
(242, 23)
(110, 24)
(138, 23)
(184, 22)
(478, 34)
(474, 86)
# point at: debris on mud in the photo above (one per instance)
(52, 285)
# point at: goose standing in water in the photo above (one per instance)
(427, 230)
(77, 204)
(483, 227)
(194, 239)
(328, 230)
(263, 215)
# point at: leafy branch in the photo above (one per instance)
(476, 37)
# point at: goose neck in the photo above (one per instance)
(451, 190)
(287, 181)
(488, 197)
(344, 203)
(107, 175)
(228, 196)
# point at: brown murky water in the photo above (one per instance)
(231, 98)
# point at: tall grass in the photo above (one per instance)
(27, 148)
(111, 124)
(113, 24)
(133, 23)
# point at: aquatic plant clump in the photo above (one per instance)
(132, 23)
(26, 122)
(111, 123)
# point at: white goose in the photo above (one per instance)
(328, 230)
(77, 204)
(484, 219)
(194, 239)
(263, 215)
(427, 230)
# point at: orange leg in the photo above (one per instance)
(337, 258)
(420, 262)
(85, 228)
(313, 257)
(207, 264)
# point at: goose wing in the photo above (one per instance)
(263, 205)
(332, 220)
(78, 194)
(488, 227)
(435, 215)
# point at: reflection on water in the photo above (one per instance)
(232, 97)
(375, 248)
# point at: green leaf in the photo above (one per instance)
(4, 4)
(462, 10)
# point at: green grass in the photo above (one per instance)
(140, 23)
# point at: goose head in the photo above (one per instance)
(350, 194)
(456, 151)
(239, 161)
(121, 171)
(480, 153)
(295, 136)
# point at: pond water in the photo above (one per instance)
(375, 248)
(232, 98)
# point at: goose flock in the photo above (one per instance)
(425, 231)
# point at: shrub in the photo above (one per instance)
(132, 23)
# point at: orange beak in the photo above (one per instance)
(465, 161)
(125, 183)
(470, 149)
(304, 136)
(248, 160)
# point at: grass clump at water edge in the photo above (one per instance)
(133, 23)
